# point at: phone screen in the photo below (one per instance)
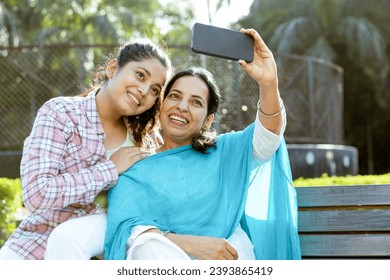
(221, 42)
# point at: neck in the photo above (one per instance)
(170, 145)
(105, 110)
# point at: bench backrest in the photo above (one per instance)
(344, 221)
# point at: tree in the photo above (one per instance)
(78, 21)
(317, 28)
(59, 62)
(351, 33)
(7, 26)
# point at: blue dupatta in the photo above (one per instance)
(206, 194)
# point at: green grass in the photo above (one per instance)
(325, 180)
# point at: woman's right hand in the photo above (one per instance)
(125, 157)
(205, 247)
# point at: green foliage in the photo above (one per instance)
(10, 201)
(354, 34)
(325, 180)
(40, 22)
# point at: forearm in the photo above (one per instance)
(201, 247)
(270, 107)
(181, 240)
(42, 191)
(265, 143)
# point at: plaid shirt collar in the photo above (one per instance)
(92, 112)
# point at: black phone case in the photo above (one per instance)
(221, 42)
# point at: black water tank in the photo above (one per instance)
(312, 160)
(307, 160)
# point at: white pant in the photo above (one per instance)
(7, 254)
(154, 246)
(83, 238)
(78, 239)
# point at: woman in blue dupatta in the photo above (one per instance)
(207, 197)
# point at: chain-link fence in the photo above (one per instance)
(31, 75)
(311, 89)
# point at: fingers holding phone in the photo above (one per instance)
(263, 67)
(246, 47)
(222, 42)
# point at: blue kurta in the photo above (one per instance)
(188, 192)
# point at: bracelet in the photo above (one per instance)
(269, 115)
(164, 233)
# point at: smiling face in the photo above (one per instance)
(184, 110)
(133, 89)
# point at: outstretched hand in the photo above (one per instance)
(263, 67)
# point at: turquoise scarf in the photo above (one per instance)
(206, 194)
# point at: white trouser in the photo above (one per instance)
(7, 254)
(78, 239)
(154, 246)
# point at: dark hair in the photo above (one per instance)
(137, 50)
(205, 138)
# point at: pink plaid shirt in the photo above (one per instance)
(63, 168)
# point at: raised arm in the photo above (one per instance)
(264, 71)
(271, 116)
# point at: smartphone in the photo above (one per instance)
(221, 42)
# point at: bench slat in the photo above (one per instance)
(344, 220)
(352, 245)
(343, 195)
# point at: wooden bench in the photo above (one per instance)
(344, 222)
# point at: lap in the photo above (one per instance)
(155, 246)
(7, 254)
(79, 238)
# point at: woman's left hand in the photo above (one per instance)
(263, 67)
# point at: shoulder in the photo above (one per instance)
(63, 104)
(240, 135)
(61, 111)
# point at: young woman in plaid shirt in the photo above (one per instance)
(71, 154)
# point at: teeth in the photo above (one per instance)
(177, 118)
(133, 97)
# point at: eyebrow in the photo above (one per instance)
(198, 96)
(193, 95)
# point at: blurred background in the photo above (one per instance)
(332, 56)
